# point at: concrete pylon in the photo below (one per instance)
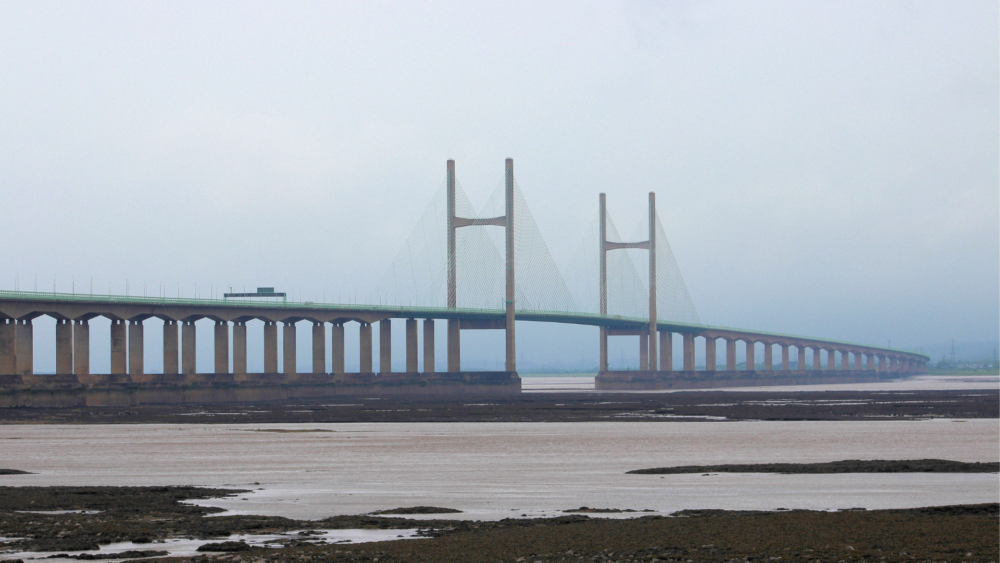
(730, 354)
(817, 359)
(802, 357)
(786, 364)
(751, 360)
(643, 352)
(603, 233)
(768, 356)
(688, 351)
(511, 363)
(652, 281)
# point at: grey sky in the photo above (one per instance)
(821, 168)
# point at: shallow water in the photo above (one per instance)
(186, 547)
(497, 470)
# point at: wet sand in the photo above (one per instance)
(554, 407)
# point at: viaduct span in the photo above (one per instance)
(128, 384)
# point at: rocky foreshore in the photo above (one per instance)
(145, 515)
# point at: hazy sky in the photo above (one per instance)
(821, 168)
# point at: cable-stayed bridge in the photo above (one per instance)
(471, 269)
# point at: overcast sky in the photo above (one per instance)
(821, 168)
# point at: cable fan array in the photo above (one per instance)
(417, 275)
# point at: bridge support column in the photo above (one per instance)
(751, 361)
(81, 347)
(385, 345)
(768, 356)
(429, 366)
(288, 348)
(189, 350)
(845, 360)
(711, 363)
(666, 351)
(871, 362)
(730, 354)
(239, 347)
(170, 347)
(319, 347)
(270, 347)
(136, 348)
(365, 339)
(817, 359)
(221, 347)
(831, 359)
(337, 348)
(802, 358)
(882, 368)
(118, 346)
(786, 364)
(25, 347)
(857, 361)
(688, 351)
(603, 366)
(411, 345)
(8, 347)
(644, 352)
(454, 345)
(64, 346)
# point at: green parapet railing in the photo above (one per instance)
(563, 317)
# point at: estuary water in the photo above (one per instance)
(499, 470)
(927, 382)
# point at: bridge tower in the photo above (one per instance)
(647, 343)
(454, 223)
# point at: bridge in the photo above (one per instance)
(480, 302)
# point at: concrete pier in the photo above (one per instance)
(688, 351)
(411, 345)
(118, 346)
(8, 347)
(666, 350)
(831, 359)
(768, 357)
(81, 347)
(25, 347)
(270, 347)
(730, 354)
(429, 366)
(365, 338)
(337, 348)
(288, 340)
(136, 348)
(454, 345)
(817, 359)
(170, 347)
(711, 362)
(786, 364)
(64, 346)
(802, 358)
(643, 351)
(385, 346)
(221, 347)
(239, 347)
(319, 347)
(751, 360)
(189, 348)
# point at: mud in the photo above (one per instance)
(846, 466)
(554, 407)
(419, 510)
(145, 514)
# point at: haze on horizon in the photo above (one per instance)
(823, 168)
